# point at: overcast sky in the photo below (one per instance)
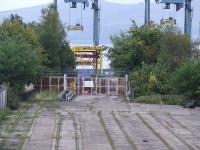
(16, 4)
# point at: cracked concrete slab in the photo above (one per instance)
(107, 123)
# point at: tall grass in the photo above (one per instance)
(162, 99)
(4, 115)
(47, 95)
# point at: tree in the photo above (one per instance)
(139, 44)
(177, 48)
(14, 26)
(19, 62)
(52, 37)
(150, 44)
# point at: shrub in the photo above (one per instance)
(13, 99)
(4, 115)
(47, 95)
(150, 80)
(187, 79)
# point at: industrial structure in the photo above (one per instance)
(89, 56)
(96, 18)
(179, 4)
(92, 55)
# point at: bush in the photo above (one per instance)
(47, 95)
(150, 80)
(13, 99)
(4, 115)
(187, 79)
(162, 99)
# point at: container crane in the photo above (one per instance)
(89, 55)
(96, 18)
(179, 4)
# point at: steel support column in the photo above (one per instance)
(147, 12)
(96, 26)
(188, 17)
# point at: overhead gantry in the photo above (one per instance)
(179, 4)
(96, 18)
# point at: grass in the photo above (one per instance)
(46, 99)
(162, 99)
(47, 95)
(4, 114)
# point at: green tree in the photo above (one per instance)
(150, 44)
(177, 48)
(53, 38)
(19, 62)
(14, 26)
(139, 44)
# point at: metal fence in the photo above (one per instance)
(85, 85)
(3, 97)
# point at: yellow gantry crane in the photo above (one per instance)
(89, 56)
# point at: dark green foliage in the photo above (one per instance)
(52, 37)
(16, 28)
(4, 115)
(19, 63)
(139, 44)
(187, 79)
(26, 50)
(177, 49)
(151, 54)
(149, 44)
(150, 79)
(13, 100)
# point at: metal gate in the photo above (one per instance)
(85, 85)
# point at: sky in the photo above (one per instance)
(16, 4)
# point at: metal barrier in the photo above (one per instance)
(3, 96)
(85, 85)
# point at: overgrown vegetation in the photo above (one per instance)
(162, 99)
(160, 60)
(4, 115)
(29, 49)
(47, 95)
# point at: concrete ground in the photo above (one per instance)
(106, 123)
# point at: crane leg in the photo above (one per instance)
(96, 27)
(188, 17)
(147, 11)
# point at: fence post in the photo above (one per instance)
(6, 96)
(108, 85)
(127, 88)
(3, 97)
(65, 86)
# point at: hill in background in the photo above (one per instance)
(114, 19)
